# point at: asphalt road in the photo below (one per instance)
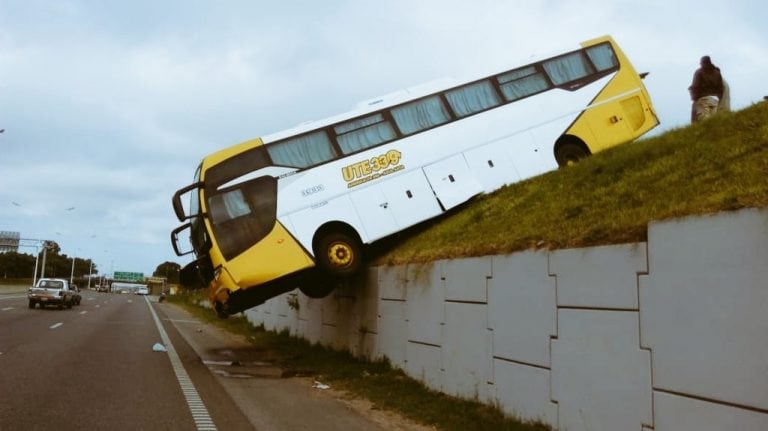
(94, 367)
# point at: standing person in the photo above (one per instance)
(706, 90)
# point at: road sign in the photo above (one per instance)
(128, 276)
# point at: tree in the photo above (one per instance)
(169, 270)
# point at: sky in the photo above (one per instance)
(108, 107)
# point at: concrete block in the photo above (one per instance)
(423, 363)
(599, 277)
(425, 303)
(676, 413)
(392, 329)
(364, 314)
(310, 318)
(336, 321)
(704, 307)
(601, 379)
(466, 351)
(254, 316)
(466, 279)
(523, 391)
(522, 309)
(392, 282)
(363, 344)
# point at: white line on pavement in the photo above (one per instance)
(56, 325)
(200, 414)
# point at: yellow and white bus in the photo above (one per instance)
(265, 213)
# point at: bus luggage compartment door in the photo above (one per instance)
(410, 198)
(452, 181)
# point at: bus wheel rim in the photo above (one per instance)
(340, 255)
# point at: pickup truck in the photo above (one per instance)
(52, 291)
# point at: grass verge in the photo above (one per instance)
(387, 387)
(609, 198)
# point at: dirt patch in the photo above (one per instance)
(386, 419)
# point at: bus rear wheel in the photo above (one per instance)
(339, 254)
(569, 153)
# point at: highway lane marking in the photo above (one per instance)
(7, 308)
(12, 297)
(83, 312)
(195, 404)
(54, 326)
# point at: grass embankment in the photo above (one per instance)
(717, 165)
(388, 388)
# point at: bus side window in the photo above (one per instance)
(522, 83)
(302, 151)
(603, 57)
(420, 115)
(567, 68)
(473, 98)
(362, 133)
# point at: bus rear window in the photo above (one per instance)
(603, 57)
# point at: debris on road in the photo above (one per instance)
(159, 348)
(319, 385)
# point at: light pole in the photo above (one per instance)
(90, 273)
(72, 274)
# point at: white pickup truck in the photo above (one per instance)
(53, 291)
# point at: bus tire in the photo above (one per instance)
(570, 152)
(338, 254)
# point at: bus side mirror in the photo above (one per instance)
(643, 75)
(178, 208)
(175, 240)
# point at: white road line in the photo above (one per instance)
(202, 419)
(7, 308)
(54, 326)
(83, 312)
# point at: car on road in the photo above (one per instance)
(142, 290)
(51, 291)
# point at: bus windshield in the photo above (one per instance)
(245, 212)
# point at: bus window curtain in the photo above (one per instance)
(228, 206)
(602, 57)
(473, 98)
(364, 133)
(567, 68)
(524, 87)
(420, 115)
(303, 151)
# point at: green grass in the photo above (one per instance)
(716, 165)
(388, 388)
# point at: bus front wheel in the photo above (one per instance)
(569, 153)
(339, 254)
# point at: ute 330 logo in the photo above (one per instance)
(371, 169)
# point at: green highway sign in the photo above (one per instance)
(128, 276)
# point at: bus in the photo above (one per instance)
(295, 208)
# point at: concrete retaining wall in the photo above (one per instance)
(671, 334)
